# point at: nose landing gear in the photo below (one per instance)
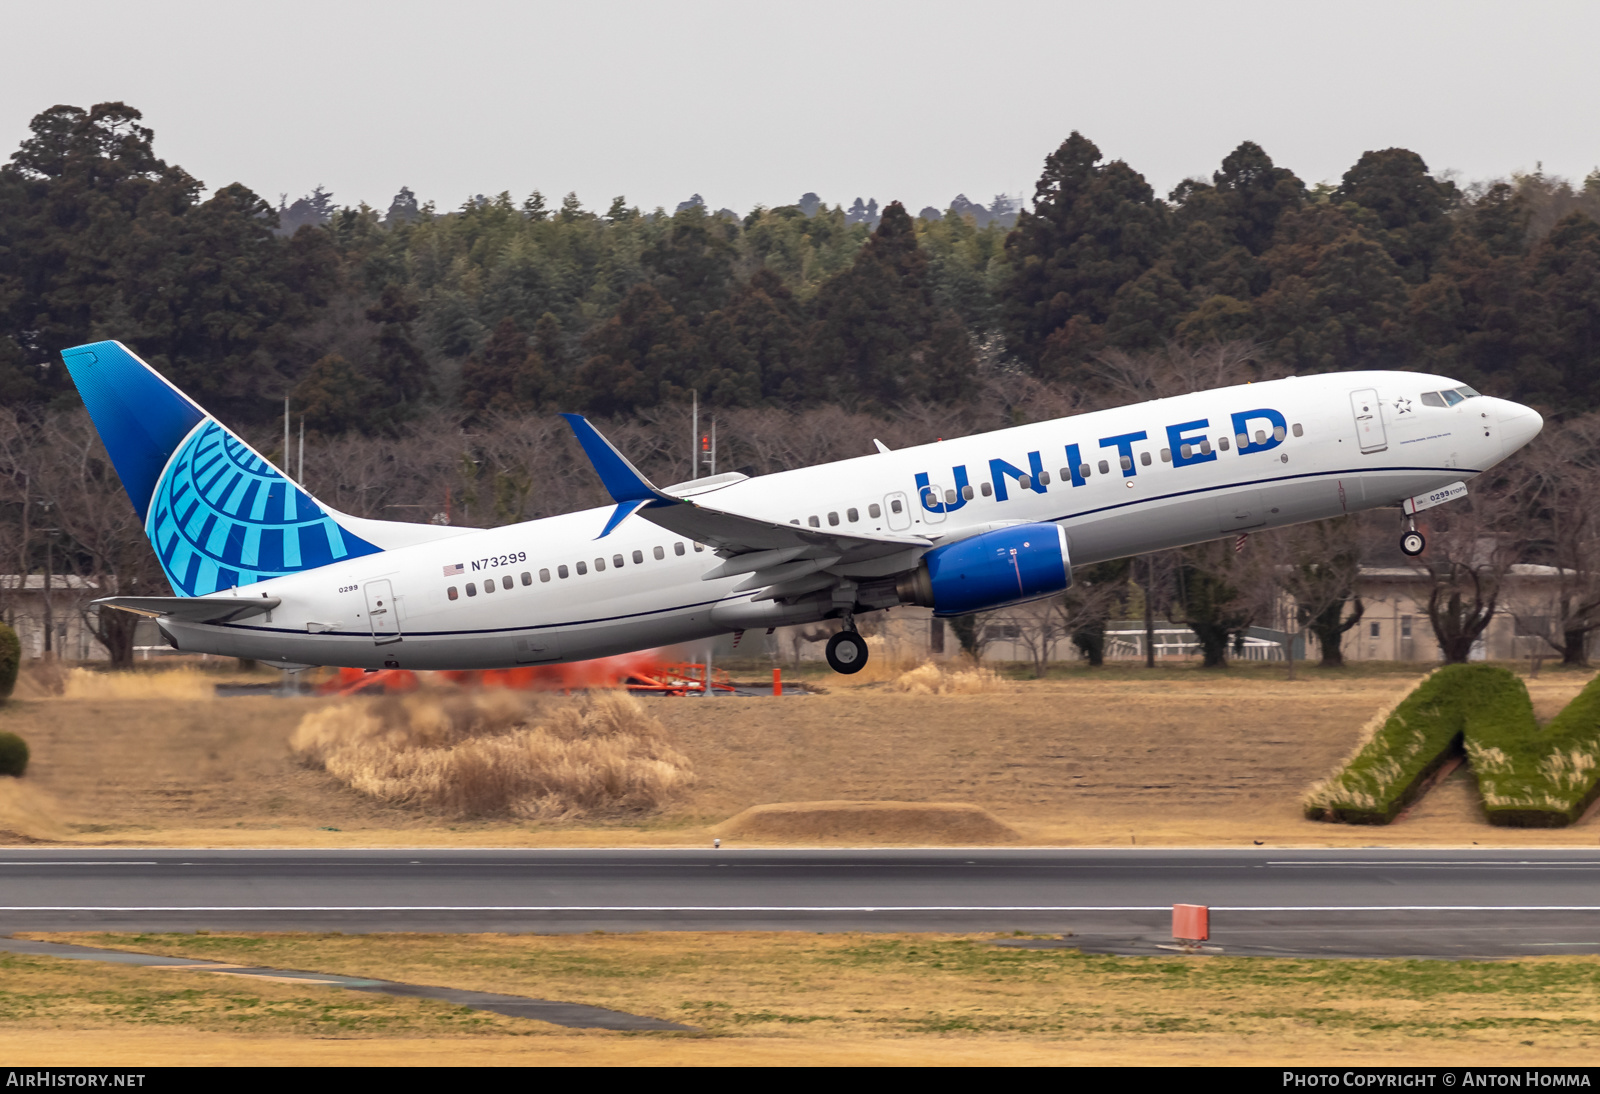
(847, 650)
(1412, 541)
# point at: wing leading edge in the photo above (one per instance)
(779, 557)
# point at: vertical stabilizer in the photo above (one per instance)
(217, 513)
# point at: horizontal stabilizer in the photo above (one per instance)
(193, 609)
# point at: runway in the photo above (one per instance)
(1462, 902)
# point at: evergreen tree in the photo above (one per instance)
(692, 262)
(1412, 207)
(1559, 317)
(644, 354)
(878, 337)
(335, 397)
(753, 347)
(1094, 228)
(402, 374)
(507, 375)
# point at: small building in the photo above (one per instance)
(33, 608)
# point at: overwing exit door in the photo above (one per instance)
(1369, 420)
(381, 613)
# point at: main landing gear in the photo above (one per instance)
(1411, 541)
(847, 650)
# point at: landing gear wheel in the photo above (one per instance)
(847, 652)
(1412, 543)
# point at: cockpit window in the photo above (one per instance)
(1467, 392)
(1432, 398)
(1452, 397)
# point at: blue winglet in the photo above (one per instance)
(622, 480)
(622, 512)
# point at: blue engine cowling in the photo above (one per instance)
(1005, 566)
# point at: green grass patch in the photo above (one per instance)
(1529, 776)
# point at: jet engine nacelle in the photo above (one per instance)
(1004, 566)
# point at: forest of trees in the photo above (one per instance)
(427, 350)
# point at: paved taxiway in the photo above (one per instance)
(1339, 902)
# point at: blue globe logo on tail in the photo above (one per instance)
(222, 516)
(218, 515)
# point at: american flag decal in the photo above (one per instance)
(452, 571)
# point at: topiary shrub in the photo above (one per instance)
(1530, 776)
(10, 658)
(13, 755)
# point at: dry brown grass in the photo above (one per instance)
(28, 813)
(185, 683)
(829, 998)
(498, 753)
(876, 822)
(931, 678)
(1100, 759)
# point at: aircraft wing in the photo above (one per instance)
(767, 549)
(192, 609)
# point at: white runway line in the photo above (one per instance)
(799, 908)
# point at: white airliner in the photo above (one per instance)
(265, 571)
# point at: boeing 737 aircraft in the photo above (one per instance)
(265, 571)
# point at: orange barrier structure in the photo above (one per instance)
(1191, 922)
(638, 672)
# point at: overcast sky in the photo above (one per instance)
(750, 103)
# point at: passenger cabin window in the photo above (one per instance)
(1127, 463)
(833, 518)
(472, 590)
(616, 560)
(1144, 458)
(527, 578)
(1105, 468)
(1299, 431)
(1083, 471)
(949, 497)
(561, 572)
(814, 522)
(659, 553)
(583, 568)
(987, 489)
(1044, 477)
(677, 548)
(966, 492)
(451, 593)
(874, 511)
(853, 515)
(1277, 433)
(599, 565)
(507, 582)
(1261, 436)
(1166, 455)
(544, 575)
(699, 546)
(896, 507)
(1222, 443)
(638, 557)
(488, 586)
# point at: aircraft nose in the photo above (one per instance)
(1518, 425)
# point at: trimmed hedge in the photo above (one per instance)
(10, 660)
(1541, 778)
(13, 755)
(1529, 777)
(1389, 771)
